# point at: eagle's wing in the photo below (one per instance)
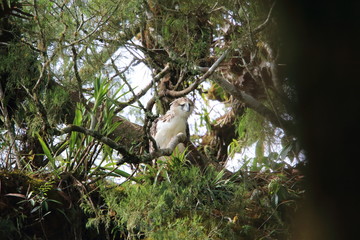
(157, 125)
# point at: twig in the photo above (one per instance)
(40, 107)
(42, 49)
(273, 213)
(120, 74)
(103, 20)
(198, 81)
(103, 176)
(144, 90)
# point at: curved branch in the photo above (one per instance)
(194, 156)
(253, 104)
(265, 23)
(137, 96)
(127, 156)
(179, 138)
(195, 84)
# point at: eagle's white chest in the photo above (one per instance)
(168, 129)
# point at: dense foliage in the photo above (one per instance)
(74, 124)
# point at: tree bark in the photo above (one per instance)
(254, 104)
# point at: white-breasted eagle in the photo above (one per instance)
(173, 122)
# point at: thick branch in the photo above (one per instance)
(127, 157)
(194, 155)
(253, 104)
(179, 138)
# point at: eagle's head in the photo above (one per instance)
(182, 107)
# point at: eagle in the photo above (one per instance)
(173, 122)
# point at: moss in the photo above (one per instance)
(33, 206)
(17, 181)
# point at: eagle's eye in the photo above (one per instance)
(185, 107)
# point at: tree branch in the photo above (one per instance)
(144, 90)
(253, 104)
(265, 23)
(103, 20)
(179, 138)
(120, 74)
(195, 84)
(127, 157)
(78, 78)
(198, 81)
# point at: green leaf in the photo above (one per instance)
(45, 205)
(259, 148)
(74, 135)
(120, 173)
(47, 153)
(284, 152)
(35, 209)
